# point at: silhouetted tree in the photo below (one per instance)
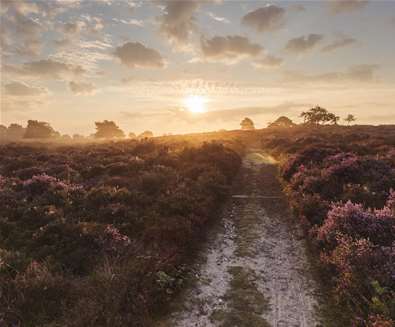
(282, 122)
(319, 115)
(334, 119)
(107, 130)
(146, 135)
(132, 135)
(349, 119)
(15, 132)
(39, 130)
(247, 124)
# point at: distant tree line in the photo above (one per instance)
(314, 117)
(39, 130)
(108, 129)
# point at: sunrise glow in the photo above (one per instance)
(196, 103)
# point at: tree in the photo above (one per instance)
(349, 119)
(247, 124)
(39, 130)
(132, 135)
(108, 129)
(334, 119)
(282, 122)
(319, 115)
(146, 135)
(15, 132)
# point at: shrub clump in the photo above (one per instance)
(98, 235)
(342, 194)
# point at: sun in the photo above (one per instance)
(195, 103)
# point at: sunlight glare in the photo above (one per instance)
(195, 103)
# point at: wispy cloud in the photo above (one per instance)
(358, 73)
(133, 22)
(346, 6)
(218, 18)
(303, 44)
(45, 69)
(82, 88)
(341, 42)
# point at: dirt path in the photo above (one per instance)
(255, 271)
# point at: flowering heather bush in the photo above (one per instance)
(352, 220)
(309, 156)
(343, 195)
(391, 202)
(86, 234)
(113, 241)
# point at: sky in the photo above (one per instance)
(189, 66)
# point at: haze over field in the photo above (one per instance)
(185, 66)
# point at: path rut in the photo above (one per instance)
(256, 272)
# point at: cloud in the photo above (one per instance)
(218, 18)
(21, 7)
(345, 6)
(89, 54)
(25, 21)
(15, 104)
(298, 7)
(95, 24)
(267, 62)
(135, 54)
(18, 96)
(71, 32)
(73, 28)
(133, 5)
(224, 115)
(82, 88)
(178, 22)
(304, 43)
(362, 73)
(230, 48)
(265, 19)
(22, 89)
(339, 43)
(23, 34)
(45, 69)
(134, 22)
(358, 73)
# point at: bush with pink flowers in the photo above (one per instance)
(343, 194)
(86, 230)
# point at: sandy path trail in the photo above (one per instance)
(255, 271)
